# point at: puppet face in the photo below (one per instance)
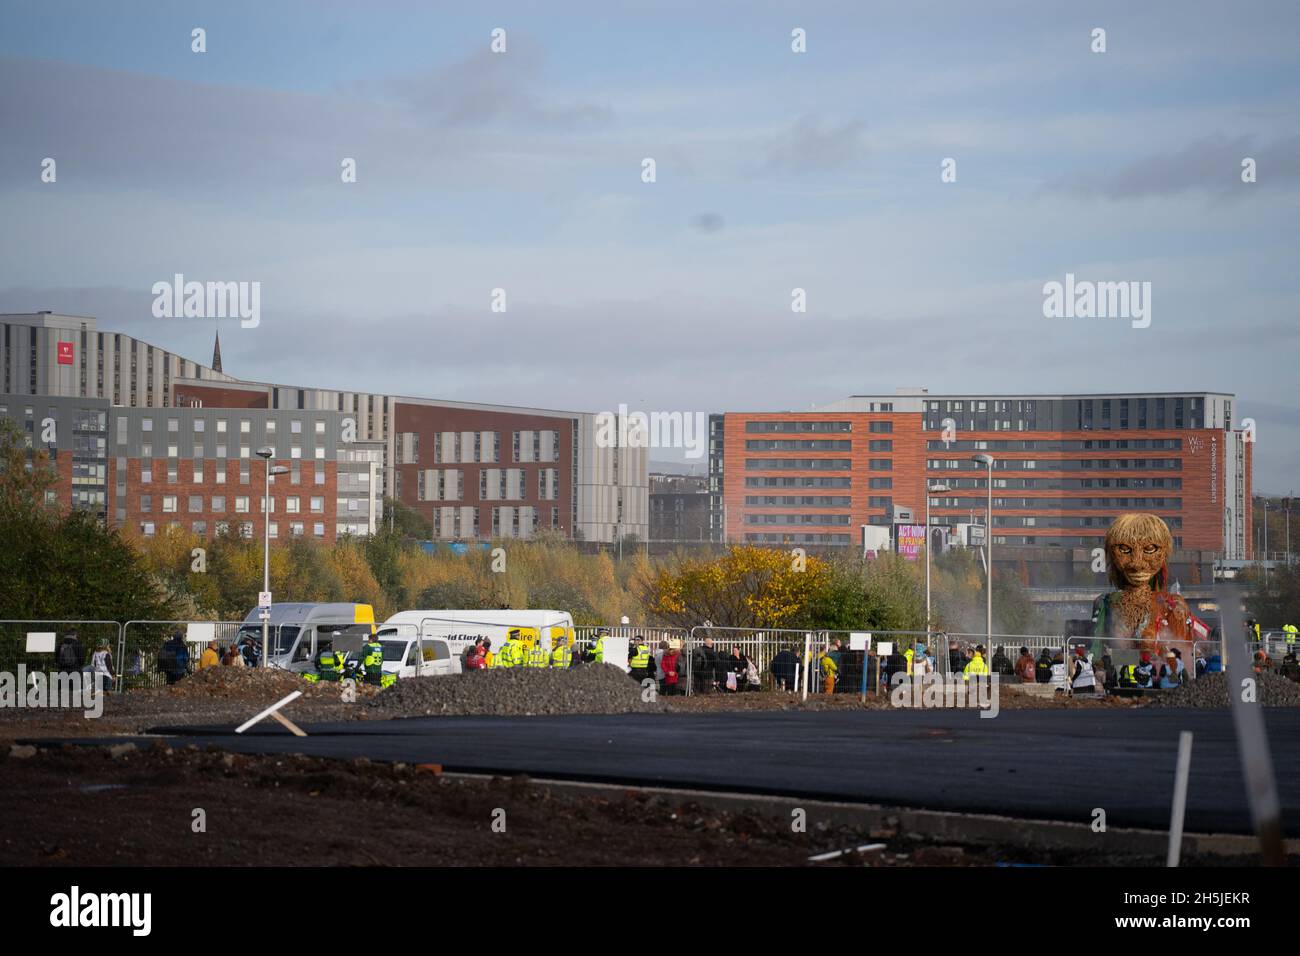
(1139, 561)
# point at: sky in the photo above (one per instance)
(775, 170)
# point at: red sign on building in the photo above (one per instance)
(65, 353)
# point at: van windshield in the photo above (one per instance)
(281, 637)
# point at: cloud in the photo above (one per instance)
(486, 89)
(707, 222)
(809, 145)
(1212, 164)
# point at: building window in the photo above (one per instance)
(195, 504)
(219, 504)
(146, 503)
(241, 504)
(169, 504)
(292, 504)
(318, 506)
(319, 529)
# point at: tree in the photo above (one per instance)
(745, 587)
(406, 521)
(71, 565)
(1273, 600)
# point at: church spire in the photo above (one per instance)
(216, 354)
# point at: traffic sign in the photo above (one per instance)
(263, 598)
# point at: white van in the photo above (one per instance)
(297, 632)
(402, 656)
(461, 628)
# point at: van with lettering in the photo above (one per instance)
(459, 629)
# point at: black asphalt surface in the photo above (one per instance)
(1042, 764)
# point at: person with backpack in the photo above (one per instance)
(830, 666)
(71, 658)
(174, 659)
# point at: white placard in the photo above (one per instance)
(200, 632)
(859, 640)
(884, 648)
(616, 651)
(263, 598)
(40, 642)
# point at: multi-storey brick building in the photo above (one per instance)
(520, 470)
(144, 469)
(1064, 467)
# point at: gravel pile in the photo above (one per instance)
(1211, 690)
(516, 691)
(254, 684)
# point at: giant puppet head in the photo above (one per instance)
(1138, 547)
(1137, 552)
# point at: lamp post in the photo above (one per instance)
(265, 454)
(929, 490)
(987, 462)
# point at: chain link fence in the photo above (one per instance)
(141, 641)
(735, 659)
(35, 645)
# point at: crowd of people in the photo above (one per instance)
(711, 669)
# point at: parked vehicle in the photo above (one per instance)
(299, 631)
(402, 656)
(460, 628)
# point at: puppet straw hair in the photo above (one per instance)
(1134, 529)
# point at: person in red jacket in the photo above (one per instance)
(670, 663)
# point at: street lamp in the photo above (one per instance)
(929, 490)
(987, 462)
(265, 454)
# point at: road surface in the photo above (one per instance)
(1042, 764)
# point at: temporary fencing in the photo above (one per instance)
(141, 641)
(790, 659)
(34, 644)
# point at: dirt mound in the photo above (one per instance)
(516, 691)
(254, 684)
(1212, 691)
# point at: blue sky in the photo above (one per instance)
(776, 170)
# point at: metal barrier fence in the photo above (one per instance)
(142, 640)
(92, 636)
(789, 659)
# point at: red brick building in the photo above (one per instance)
(1064, 467)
